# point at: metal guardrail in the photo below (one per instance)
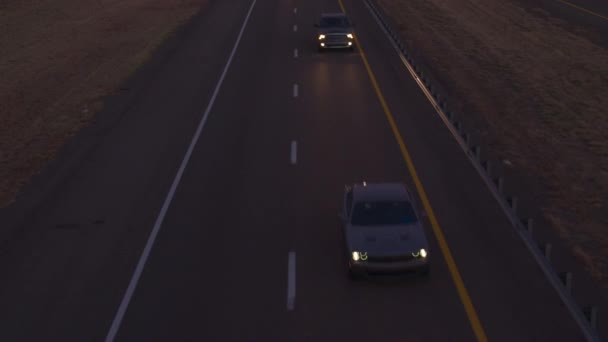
(562, 282)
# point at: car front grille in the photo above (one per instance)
(391, 258)
(335, 38)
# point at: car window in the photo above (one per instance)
(334, 22)
(348, 202)
(371, 213)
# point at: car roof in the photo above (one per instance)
(380, 192)
(333, 15)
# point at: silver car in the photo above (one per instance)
(383, 231)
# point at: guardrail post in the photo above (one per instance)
(529, 223)
(457, 126)
(591, 313)
(513, 203)
(566, 278)
(476, 152)
(466, 137)
(487, 165)
(499, 184)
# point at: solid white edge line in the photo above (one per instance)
(291, 281)
(572, 306)
(294, 152)
(161, 216)
(295, 90)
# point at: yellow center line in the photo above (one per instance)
(443, 245)
(583, 9)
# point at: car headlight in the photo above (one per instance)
(321, 36)
(359, 256)
(349, 36)
(421, 253)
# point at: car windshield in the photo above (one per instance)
(383, 213)
(334, 22)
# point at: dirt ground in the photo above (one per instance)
(539, 90)
(58, 59)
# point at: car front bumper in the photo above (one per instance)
(333, 43)
(371, 268)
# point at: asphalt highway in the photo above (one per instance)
(249, 248)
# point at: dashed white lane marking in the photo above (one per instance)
(295, 90)
(295, 53)
(295, 28)
(295, 10)
(294, 152)
(291, 281)
(126, 299)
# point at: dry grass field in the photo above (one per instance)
(58, 59)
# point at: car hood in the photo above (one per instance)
(386, 240)
(329, 30)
